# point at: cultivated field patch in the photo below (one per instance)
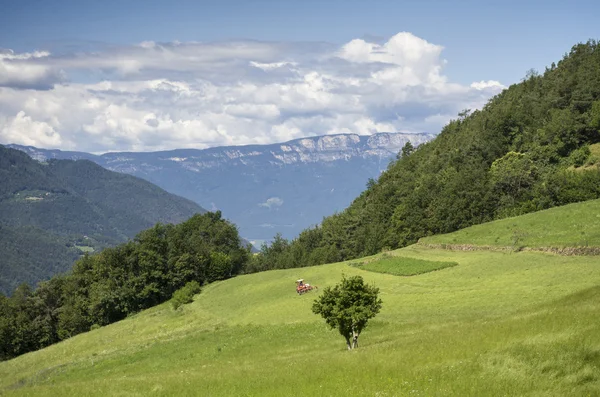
(402, 266)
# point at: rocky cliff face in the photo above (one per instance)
(264, 189)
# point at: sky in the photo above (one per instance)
(144, 75)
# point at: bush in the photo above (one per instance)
(185, 294)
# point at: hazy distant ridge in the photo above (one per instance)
(264, 189)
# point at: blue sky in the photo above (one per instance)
(82, 43)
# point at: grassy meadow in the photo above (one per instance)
(401, 266)
(498, 323)
(573, 225)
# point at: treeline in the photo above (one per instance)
(532, 147)
(119, 281)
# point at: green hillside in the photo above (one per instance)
(573, 225)
(534, 146)
(498, 323)
(51, 213)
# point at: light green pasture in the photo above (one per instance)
(497, 324)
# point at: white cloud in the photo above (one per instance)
(253, 110)
(271, 66)
(24, 129)
(272, 202)
(482, 85)
(155, 96)
(10, 55)
(25, 71)
(403, 49)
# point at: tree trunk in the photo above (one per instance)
(355, 338)
(348, 343)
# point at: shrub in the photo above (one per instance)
(185, 294)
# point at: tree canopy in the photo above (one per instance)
(348, 307)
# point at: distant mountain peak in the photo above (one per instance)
(311, 177)
(381, 144)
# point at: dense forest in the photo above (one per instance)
(532, 147)
(51, 213)
(117, 282)
(30, 254)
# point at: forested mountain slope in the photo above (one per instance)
(533, 146)
(51, 212)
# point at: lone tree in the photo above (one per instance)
(348, 307)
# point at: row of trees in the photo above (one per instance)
(530, 148)
(119, 281)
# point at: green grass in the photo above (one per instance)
(84, 248)
(594, 158)
(500, 323)
(575, 225)
(401, 266)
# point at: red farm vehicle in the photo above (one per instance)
(302, 287)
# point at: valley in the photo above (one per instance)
(125, 268)
(516, 323)
(285, 188)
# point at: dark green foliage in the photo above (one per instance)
(407, 150)
(185, 294)
(348, 307)
(516, 155)
(117, 282)
(49, 211)
(28, 319)
(273, 256)
(30, 253)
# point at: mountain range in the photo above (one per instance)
(53, 212)
(264, 189)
